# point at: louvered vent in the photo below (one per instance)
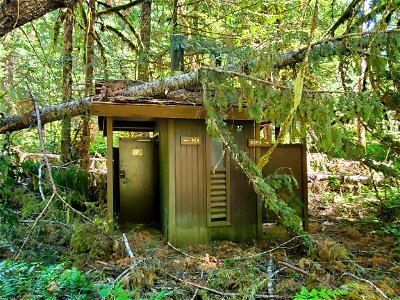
(218, 193)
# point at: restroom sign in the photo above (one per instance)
(258, 143)
(190, 140)
(137, 152)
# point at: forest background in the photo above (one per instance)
(322, 71)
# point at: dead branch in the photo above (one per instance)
(180, 251)
(268, 251)
(118, 8)
(366, 281)
(40, 182)
(223, 294)
(46, 221)
(126, 271)
(128, 248)
(194, 294)
(301, 271)
(345, 178)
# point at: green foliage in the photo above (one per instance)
(320, 294)
(267, 188)
(29, 280)
(389, 204)
(393, 229)
(22, 279)
(117, 292)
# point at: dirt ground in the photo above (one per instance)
(352, 254)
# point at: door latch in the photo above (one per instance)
(122, 174)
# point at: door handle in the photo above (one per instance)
(122, 174)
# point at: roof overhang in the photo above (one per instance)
(157, 111)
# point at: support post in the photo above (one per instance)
(259, 198)
(110, 170)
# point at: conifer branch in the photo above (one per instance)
(118, 8)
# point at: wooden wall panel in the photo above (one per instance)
(162, 130)
(291, 160)
(190, 184)
(243, 198)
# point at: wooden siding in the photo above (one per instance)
(190, 182)
(110, 171)
(166, 182)
(243, 198)
(291, 160)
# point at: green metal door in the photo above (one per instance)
(137, 181)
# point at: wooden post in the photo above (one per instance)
(259, 198)
(177, 54)
(268, 132)
(305, 186)
(110, 170)
(171, 182)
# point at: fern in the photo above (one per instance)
(322, 294)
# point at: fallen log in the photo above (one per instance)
(14, 14)
(47, 114)
(161, 87)
(336, 46)
(345, 178)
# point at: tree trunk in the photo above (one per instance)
(89, 87)
(67, 85)
(362, 140)
(145, 34)
(15, 13)
(47, 114)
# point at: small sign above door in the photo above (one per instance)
(190, 140)
(258, 143)
(137, 152)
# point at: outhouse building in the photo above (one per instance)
(181, 178)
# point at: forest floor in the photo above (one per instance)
(353, 254)
(356, 256)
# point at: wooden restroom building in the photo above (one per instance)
(181, 178)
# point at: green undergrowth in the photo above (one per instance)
(319, 294)
(24, 280)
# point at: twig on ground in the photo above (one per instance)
(224, 294)
(184, 253)
(277, 272)
(46, 221)
(270, 271)
(301, 271)
(195, 294)
(366, 281)
(40, 182)
(128, 248)
(126, 271)
(268, 251)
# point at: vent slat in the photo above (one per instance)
(218, 198)
(218, 175)
(218, 204)
(217, 210)
(218, 181)
(217, 193)
(218, 187)
(218, 216)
